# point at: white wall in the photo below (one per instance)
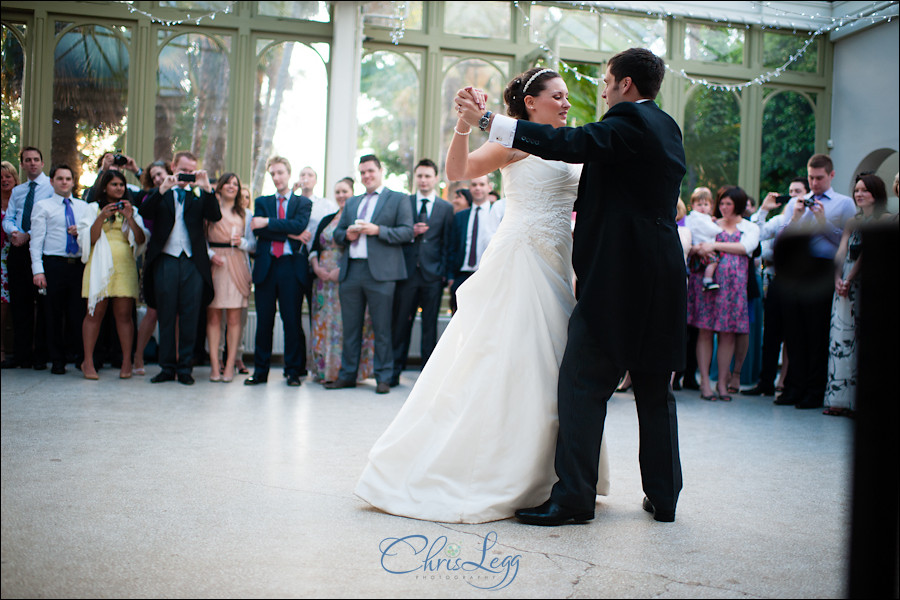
(865, 110)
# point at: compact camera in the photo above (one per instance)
(120, 159)
(809, 202)
(120, 205)
(189, 177)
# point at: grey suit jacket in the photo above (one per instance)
(393, 216)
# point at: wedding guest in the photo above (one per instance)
(246, 200)
(472, 231)
(116, 162)
(870, 196)
(57, 267)
(771, 218)
(9, 179)
(151, 178)
(327, 328)
(29, 331)
(811, 236)
(111, 236)
(724, 311)
(462, 200)
(230, 275)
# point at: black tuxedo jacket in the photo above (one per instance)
(431, 251)
(627, 255)
(296, 219)
(160, 208)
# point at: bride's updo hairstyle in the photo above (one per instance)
(529, 83)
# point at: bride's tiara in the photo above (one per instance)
(535, 76)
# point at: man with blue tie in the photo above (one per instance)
(178, 278)
(373, 229)
(57, 267)
(30, 344)
(280, 273)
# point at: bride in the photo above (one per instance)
(476, 438)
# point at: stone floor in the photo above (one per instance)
(120, 488)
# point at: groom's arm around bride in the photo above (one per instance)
(631, 293)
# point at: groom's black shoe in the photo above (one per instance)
(552, 514)
(662, 516)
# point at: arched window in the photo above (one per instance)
(788, 140)
(13, 66)
(192, 98)
(712, 139)
(291, 110)
(90, 96)
(388, 112)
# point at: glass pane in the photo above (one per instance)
(388, 114)
(475, 72)
(291, 113)
(621, 33)
(713, 43)
(90, 99)
(712, 140)
(779, 47)
(192, 100)
(572, 28)
(195, 5)
(390, 14)
(788, 140)
(307, 11)
(12, 73)
(478, 19)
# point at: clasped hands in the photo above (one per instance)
(470, 105)
(360, 228)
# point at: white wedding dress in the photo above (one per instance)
(476, 438)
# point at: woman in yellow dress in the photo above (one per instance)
(111, 236)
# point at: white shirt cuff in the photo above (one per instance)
(503, 130)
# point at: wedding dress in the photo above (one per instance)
(476, 438)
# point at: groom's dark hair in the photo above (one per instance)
(645, 69)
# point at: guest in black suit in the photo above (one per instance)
(178, 280)
(280, 273)
(374, 226)
(427, 262)
(472, 230)
(631, 307)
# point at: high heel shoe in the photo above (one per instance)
(92, 376)
(227, 378)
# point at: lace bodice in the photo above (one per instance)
(540, 195)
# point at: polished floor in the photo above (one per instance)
(120, 488)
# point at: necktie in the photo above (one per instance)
(423, 212)
(473, 249)
(71, 240)
(29, 204)
(179, 194)
(361, 214)
(278, 247)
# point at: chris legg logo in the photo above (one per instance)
(442, 560)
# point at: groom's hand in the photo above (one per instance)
(470, 103)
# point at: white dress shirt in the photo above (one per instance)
(179, 241)
(49, 229)
(361, 249)
(825, 238)
(485, 232)
(428, 207)
(12, 221)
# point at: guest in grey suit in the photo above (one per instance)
(373, 227)
(427, 264)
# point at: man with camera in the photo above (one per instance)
(178, 279)
(116, 162)
(804, 251)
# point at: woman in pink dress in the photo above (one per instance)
(230, 274)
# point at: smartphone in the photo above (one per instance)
(783, 199)
(190, 177)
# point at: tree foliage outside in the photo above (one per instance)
(712, 140)
(778, 48)
(388, 111)
(788, 140)
(13, 66)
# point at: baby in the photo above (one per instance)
(703, 229)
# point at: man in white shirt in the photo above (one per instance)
(811, 235)
(473, 229)
(30, 346)
(57, 267)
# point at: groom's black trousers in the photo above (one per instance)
(587, 379)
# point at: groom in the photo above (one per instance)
(631, 307)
